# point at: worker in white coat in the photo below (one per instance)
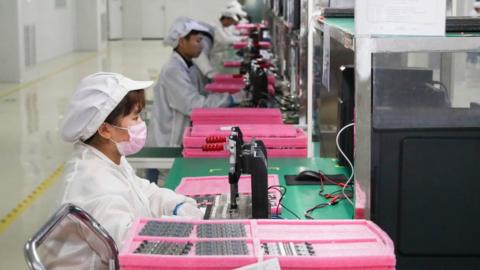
(224, 37)
(103, 122)
(236, 7)
(203, 61)
(180, 89)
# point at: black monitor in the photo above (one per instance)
(424, 172)
(280, 8)
(297, 14)
(345, 116)
(425, 187)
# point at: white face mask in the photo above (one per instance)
(138, 136)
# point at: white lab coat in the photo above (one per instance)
(114, 196)
(233, 30)
(203, 61)
(224, 39)
(178, 92)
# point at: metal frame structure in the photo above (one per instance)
(364, 49)
(30, 249)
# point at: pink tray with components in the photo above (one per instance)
(232, 64)
(236, 78)
(235, 116)
(272, 153)
(208, 185)
(250, 26)
(243, 44)
(231, 87)
(282, 141)
(296, 138)
(226, 244)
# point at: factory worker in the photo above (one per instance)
(234, 4)
(224, 38)
(180, 88)
(203, 61)
(103, 122)
(236, 7)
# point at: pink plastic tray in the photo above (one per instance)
(231, 88)
(337, 244)
(299, 140)
(217, 185)
(192, 186)
(223, 87)
(344, 244)
(235, 116)
(232, 64)
(131, 261)
(272, 153)
(249, 26)
(243, 44)
(236, 78)
(247, 130)
(238, 64)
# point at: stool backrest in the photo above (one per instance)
(70, 212)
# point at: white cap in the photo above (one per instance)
(476, 4)
(234, 3)
(95, 97)
(228, 13)
(180, 28)
(209, 27)
(237, 9)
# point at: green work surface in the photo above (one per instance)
(158, 152)
(345, 24)
(348, 25)
(298, 198)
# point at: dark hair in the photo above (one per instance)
(207, 34)
(134, 101)
(192, 33)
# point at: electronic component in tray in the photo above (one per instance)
(234, 247)
(168, 229)
(288, 249)
(217, 206)
(164, 248)
(221, 230)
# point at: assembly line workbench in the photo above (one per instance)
(298, 198)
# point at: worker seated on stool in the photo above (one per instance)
(103, 122)
(180, 89)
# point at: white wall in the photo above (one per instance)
(115, 19)
(90, 34)
(10, 44)
(55, 33)
(152, 18)
(132, 19)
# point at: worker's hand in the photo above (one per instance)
(239, 96)
(190, 210)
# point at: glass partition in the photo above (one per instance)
(426, 90)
